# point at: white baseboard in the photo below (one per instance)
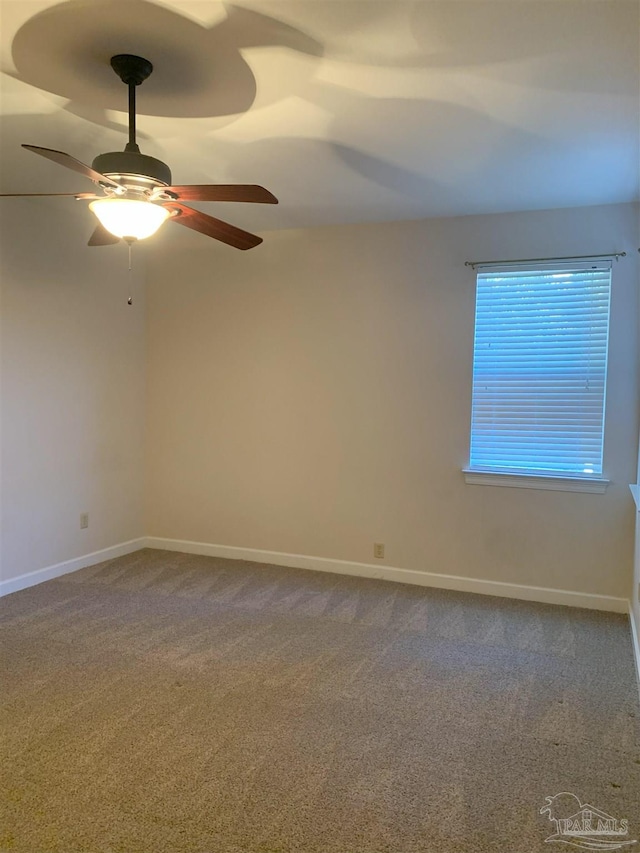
(390, 573)
(50, 572)
(343, 567)
(635, 641)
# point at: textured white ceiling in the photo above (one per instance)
(348, 111)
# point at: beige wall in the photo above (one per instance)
(72, 384)
(313, 397)
(635, 590)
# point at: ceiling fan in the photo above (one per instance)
(137, 195)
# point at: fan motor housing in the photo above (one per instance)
(125, 164)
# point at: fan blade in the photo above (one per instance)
(71, 163)
(212, 227)
(224, 192)
(77, 196)
(102, 237)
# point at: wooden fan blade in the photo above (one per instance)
(212, 227)
(71, 163)
(102, 237)
(224, 192)
(78, 196)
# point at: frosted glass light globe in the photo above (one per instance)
(125, 217)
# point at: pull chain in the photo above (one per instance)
(130, 299)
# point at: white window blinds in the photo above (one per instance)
(539, 371)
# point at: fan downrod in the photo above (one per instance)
(132, 70)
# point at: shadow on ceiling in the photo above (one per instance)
(558, 46)
(198, 71)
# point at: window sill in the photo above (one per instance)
(594, 485)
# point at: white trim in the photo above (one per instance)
(458, 583)
(635, 642)
(635, 491)
(391, 573)
(594, 485)
(50, 572)
(570, 264)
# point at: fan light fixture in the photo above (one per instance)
(129, 218)
(139, 194)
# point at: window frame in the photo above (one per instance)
(532, 478)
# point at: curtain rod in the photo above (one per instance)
(615, 255)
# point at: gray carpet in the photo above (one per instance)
(165, 702)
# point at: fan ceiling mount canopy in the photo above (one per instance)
(137, 192)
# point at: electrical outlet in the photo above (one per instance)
(378, 550)
(84, 520)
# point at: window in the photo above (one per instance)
(539, 374)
